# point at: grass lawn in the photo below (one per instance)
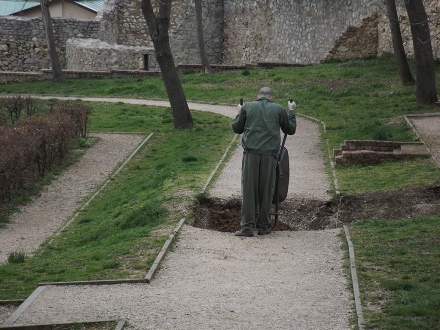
(399, 272)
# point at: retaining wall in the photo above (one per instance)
(236, 33)
(91, 54)
(23, 44)
(372, 151)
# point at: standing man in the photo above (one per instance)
(260, 122)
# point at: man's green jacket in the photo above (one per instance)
(260, 122)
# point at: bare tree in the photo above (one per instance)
(426, 93)
(158, 23)
(57, 71)
(399, 51)
(202, 48)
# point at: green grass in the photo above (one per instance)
(121, 231)
(399, 272)
(354, 179)
(356, 99)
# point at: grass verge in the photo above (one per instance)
(398, 269)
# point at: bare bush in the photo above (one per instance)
(79, 114)
(37, 143)
(30, 105)
(13, 107)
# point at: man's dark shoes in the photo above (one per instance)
(244, 233)
(264, 231)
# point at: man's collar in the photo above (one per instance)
(264, 98)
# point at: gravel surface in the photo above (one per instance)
(213, 280)
(286, 280)
(428, 127)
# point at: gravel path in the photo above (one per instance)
(286, 280)
(428, 128)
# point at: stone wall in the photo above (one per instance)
(123, 23)
(236, 33)
(359, 41)
(297, 31)
(385, 44)
(92, 54)
(183, 36)
(23, 43)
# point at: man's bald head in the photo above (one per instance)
(265, 92)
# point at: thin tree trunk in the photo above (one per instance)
(399, 51)
(57, 70)
(158, 25)
(426, 93)
(202, 48)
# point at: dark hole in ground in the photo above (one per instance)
(224, 215)
(305, 214)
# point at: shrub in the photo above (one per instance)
(38, 142)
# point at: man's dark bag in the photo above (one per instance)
(282, 175)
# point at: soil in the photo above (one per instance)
(306, 214)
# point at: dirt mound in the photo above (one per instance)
(305, 214)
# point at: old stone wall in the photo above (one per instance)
(359, 41)
(123, 23)
(92, 54)
(296, 31)
(385, 44)
(23, 44)
(184, 40)
(236, 33)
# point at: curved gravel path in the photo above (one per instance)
(286, 280)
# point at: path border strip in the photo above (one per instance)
(357, 295)
(154, 268)
(119, 325)
(95, 282)
(14, 316)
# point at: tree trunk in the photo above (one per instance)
(426, 93)
(57, 71)
(399, 51)
(158, 25)
(202, 48)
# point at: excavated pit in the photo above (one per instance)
(305, 214)
(224, 215)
